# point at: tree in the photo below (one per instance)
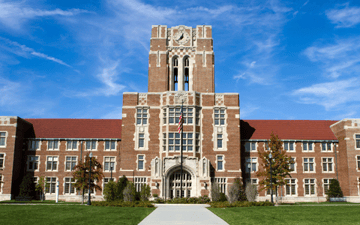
(251, 192)
(121, 184)
(280, 165)
(27, 186)
(81, 175)
(145, 193)
(236, 191)
(110, 191)
(334, 189)
(129, 192)
(40, 187)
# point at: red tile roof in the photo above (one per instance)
(76, 128)
(288, 129)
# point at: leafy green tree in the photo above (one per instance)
(40, 187)
(27, 186)
(280, 165)
(145, 193)
(110, 190)
(121, 184)
(81, 175)
(334, 189)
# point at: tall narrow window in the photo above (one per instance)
(220, 163)
(176, 73)
(186, 73)
(140, 162)
(357, 139)
(358, 162)
(2, 158)
(2, 139)
(141, 140)
(219, 141)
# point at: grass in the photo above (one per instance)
(290, 215)
(321, 203)
(71, 214)
(39, 202)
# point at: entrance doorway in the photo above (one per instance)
(175, 184)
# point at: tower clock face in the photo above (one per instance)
(181, 37)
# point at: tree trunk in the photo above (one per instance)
(82, 197)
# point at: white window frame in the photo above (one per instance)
(295, 165)
(71, 162)
(220, 119)
(52, 164)
(139, 182)
(357, 140)
(308, 144)
(91, 145)
(32, 145)
(357, 160)
(53, 143)
(358, 184)
(286, 144)
(72, 145)
(175, 114)
(71, 182)
(328, 184)
(144, 116)
(5, 137)
(112, 160)
(326, 149)
(1, 183)
(50, 185)
(250, 147)
(110, 145)
(28, 162)
(314, 165)
(309, 195)
(2, 158)
(137, 162)
(223, 163)
(222, 182)
(220, 137)
(291, 184)
(332, 166)
(250, 161)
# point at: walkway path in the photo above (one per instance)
(182, 214)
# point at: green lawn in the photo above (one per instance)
(290, 215)
(71, 214)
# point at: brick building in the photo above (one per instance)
(145, 145)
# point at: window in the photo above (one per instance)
(327, 164)
(186, 73)
(250, 146)
(176, 73)
(253, 181)
(326, 147)
(266, 146)
(53, 145)
(90, 145)
(70, 163)
(292, 165)
(33, 163)
(2, 139)
(220, 163)
(174, 142)
(141, 140)
(110, 145)
(2, 160)
(141, 162)
(141, 116)
(51, 163)
(326, 185)
(289, 146)
(219, 117)
(106, 180)
(290, 187)
(222, 184)
(219, 141)
(174, 114)
(307, 146)
(69, 185)
(71, 145)
(139, 183)
(251, 165)
(309, 187)
(198, 117)
(34, 145)
(357, 140)
(51, 181)
(164, 116)
(309, 165)
(358, 162)
(109, 164)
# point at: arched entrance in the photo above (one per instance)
(175, 181)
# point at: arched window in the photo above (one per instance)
(176, 73)
(186, 73)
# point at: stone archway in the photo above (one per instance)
(175, 181)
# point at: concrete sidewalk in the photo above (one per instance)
(182, 214)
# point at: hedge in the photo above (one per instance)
(123, 204)
(238, 204)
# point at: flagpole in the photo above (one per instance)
(181, 149)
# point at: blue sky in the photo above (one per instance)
(74, 59)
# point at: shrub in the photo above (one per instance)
(238, 204)
(223, 197)
(215, 192)
(145, 193)
(155, 195)
(121, 184)
(236, 191)
(334, 189)
(110, 190)
(27, 186)
(119, 203)
(129, 192)
(192, 200)
(251, 192)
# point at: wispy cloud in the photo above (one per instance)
(14, 13)
(341, 58)
(330, 94)
(24, 51)
(344, 16)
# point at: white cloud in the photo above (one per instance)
(14, 13)
(24, 51)
(344, 16)
(330, 94)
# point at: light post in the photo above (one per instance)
(111, 169)
(271, 190)
(89, 200)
